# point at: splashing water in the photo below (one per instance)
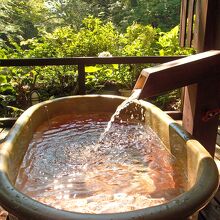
(131, 170)
(135, 95)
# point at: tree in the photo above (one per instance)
(22, 17)
(159, 13)
(100, 9)
(68, 12)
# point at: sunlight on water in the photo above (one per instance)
(68, 167)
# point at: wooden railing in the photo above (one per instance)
(81, 62)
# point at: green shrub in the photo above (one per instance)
(94, 38)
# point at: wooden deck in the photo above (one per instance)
(210, 212)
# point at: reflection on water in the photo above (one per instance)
(68, 167)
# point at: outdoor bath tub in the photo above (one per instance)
(200, 167)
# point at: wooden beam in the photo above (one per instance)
(86, 60)
(207, 25)
(183, 22)
(81, 62)
(190, 23)
(179, 73)
(211, 25)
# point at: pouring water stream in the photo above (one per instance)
(135, 95)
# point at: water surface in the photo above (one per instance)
(69, 167)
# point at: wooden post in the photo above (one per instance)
(207, 25)
(205, 95)
(190, 23)
(183, 22)
(200, 98)
(81, 79)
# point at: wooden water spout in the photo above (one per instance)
(202, 69)
(178, 73)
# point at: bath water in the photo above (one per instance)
(68, 167)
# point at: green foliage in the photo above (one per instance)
(163, 14)
(159, 13)
(169, 44)
(93, 38)
(139, 40)
(21, 18)
(26, 18)
(67, 12)
(168, 101)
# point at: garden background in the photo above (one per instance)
(81, 28)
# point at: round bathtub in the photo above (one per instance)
(201, 169)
